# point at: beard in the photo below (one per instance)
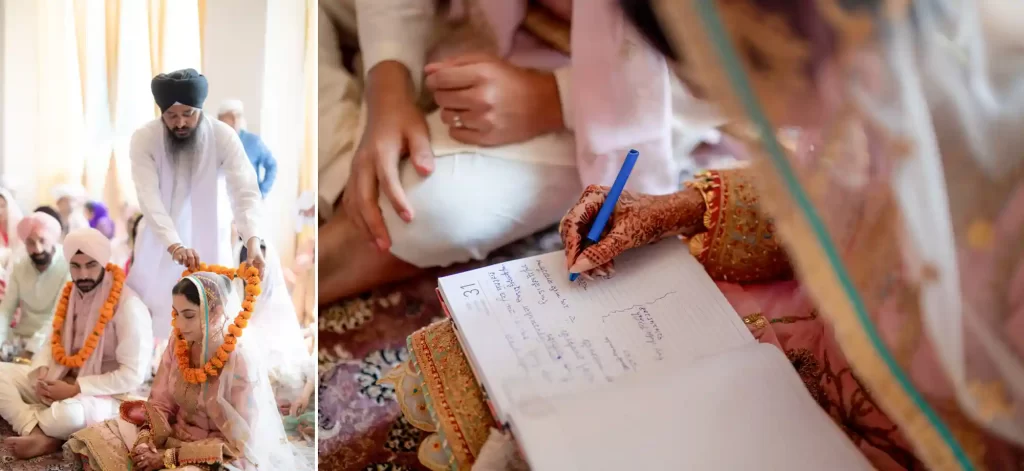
(180, 143)
(42, 259)
(86, 285)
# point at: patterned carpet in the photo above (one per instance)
(360, 340)
(54, 462)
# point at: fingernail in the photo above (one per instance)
(382, 244)
(406, 216)
(582, 264)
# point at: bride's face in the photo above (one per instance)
(189, 319)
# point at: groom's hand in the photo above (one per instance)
(60, 390)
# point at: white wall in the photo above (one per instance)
(254, 53)
(234, 59)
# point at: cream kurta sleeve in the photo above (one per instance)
(134, 351)
(240, 176)
(397, 30)
(147, 187)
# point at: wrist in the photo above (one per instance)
(389, 83)
(684, 212)
(550, 119)
(174, 248)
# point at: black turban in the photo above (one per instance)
(185, 86)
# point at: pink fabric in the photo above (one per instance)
(39, 223)
(194, 424)
(794, 326)
(83, 313)
(621, 98)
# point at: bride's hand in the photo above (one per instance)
(147, 458)
(637, 220)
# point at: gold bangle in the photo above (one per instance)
(170, 459)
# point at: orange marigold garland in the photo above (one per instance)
(251, 275)
(92, 341)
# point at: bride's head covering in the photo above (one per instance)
(901, 198)
(239, 399)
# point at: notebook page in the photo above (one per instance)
(530, 332)
(742, 409)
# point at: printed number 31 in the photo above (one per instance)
(469, 290)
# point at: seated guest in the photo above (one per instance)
(211, 404)
(99, 352)
(99, 218)
(881, 251)
(34, 287)
(516, 127)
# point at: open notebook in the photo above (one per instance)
(651, 369)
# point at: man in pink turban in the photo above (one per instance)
(34, 286)
(81, 379)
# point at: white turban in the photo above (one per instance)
(89, 241)
(230, 106)
(75, 192)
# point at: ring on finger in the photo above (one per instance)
(457, 121)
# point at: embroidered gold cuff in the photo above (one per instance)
(202, 452)
(740, 244)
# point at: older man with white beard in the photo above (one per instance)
(101, 342)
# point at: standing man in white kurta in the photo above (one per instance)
(100, 359)
(186, 168)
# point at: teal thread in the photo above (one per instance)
(737, 77)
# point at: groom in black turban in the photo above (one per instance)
(180, 96)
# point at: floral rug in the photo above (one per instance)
(360, 339)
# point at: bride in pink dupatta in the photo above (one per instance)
(880, 248)
(228, 422)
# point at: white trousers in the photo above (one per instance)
(472, 204)
(25, 411)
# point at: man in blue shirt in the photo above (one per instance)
(231, 113)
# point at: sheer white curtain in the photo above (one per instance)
(70, 119)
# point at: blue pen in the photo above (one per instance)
(609, 205)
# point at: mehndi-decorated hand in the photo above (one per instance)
(637, 220)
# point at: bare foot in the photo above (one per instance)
(33, 445)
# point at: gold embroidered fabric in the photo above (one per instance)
(205, 451)
(453, 394)
(158, 424)
(741, 244)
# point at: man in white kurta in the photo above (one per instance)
(187, 168)
(34, 285)
(49, 400)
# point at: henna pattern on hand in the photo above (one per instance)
(637, 220)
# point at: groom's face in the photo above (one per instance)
(86, 272)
